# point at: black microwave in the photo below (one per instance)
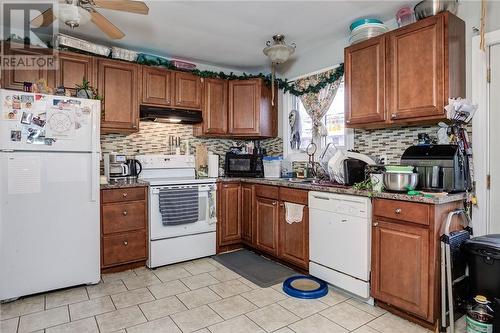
(244, 165)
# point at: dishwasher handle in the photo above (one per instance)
(321, 198)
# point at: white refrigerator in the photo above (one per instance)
(49, 193)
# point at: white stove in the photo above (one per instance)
(169, 241)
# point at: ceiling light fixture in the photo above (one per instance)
(279, 52)
(72, 14)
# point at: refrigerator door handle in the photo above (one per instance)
(95, 158)
(94, 176)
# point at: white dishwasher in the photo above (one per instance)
(340, 240)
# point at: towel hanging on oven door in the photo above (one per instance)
(179, 205)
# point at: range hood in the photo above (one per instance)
(166, 115)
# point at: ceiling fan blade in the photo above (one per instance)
(137, 7)
(44, 19)
(105, 25)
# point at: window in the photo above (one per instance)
(333, 120)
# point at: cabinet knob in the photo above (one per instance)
(125, 243)
(274, 203)
(282, 204)
(135, 126)
(226, 186)
(394, 115)
(124, 213)
(398, 211)
(125, 194)
(348, 121)
(375, 224)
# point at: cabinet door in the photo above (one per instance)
(266, 225)
(215, 106)
(14, 78)
(230, 226)
(365, 82)
(188, 91)
(73, 68)
(294, 239)
(247, 196)
(244, 107)
(400, 266)
(416, 70)
(156, 86)
(118, 82)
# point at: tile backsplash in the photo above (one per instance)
(390, 142)
(153, 139)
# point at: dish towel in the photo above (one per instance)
(293, 212)
(212, 217)
(178, 205)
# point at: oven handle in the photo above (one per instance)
(201, 188)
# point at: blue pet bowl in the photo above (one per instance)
(305, 287)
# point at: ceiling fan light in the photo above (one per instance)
(279, 52)
(73, 15)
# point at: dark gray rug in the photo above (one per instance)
(261, 271)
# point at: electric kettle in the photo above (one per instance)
(135, 167)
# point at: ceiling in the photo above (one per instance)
(232, 34)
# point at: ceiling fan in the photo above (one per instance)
(77, 12)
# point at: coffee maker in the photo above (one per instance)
(115, 167)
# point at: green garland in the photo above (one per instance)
(283, 84)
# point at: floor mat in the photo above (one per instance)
(261, 271)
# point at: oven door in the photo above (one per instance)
(206, 213)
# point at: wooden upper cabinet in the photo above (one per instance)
(247, 207)
(426, 66)
(400, 266)
(230, 224)
(416, 70)
(266, 225)
(251, 112)
(119, 83)
(156, 86)
(14, 78)
(407, 75)
(188, 90)
(215, 111)
(365, 82)
(73, 68)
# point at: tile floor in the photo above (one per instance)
(197, 296)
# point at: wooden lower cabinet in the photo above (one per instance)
(266, 225)
(247, 204)
(229, 225)
(294, 237)
(124, 233)
(405, 272)
(260, 212)
(403, 249)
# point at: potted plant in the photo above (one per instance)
(85, 90)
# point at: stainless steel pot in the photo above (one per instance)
(400, 182)
(428, 8)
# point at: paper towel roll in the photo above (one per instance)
(213, 165)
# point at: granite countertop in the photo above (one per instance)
(125, 184)
(436, 200)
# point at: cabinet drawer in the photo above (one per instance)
(124, 248)
(293, 195)
(123, 194)
(401, 210)
(267, 191)
(123, 217)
